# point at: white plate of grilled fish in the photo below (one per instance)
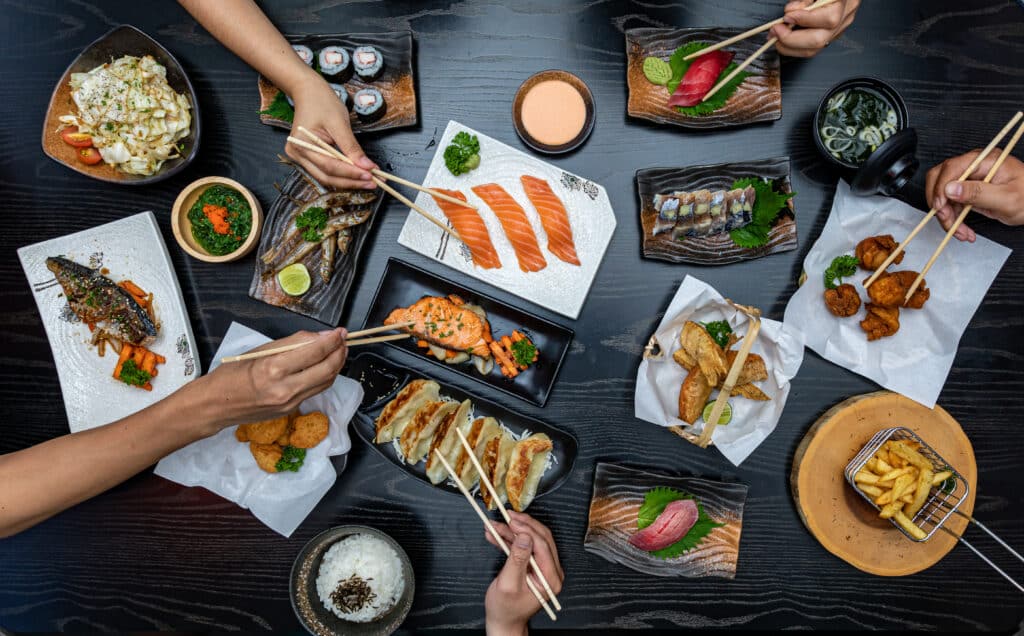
(74, 279)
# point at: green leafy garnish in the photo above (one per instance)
(654, 504)
(841, 266)
(679, 67)
(280, 108)
(657, 71)
(523, 352)
(719, 331)
(133, 375)
(767, 206)
(311, 222)
(291, 459)
(463, 154)
(949, 484)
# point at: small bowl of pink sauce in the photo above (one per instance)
(553, 112)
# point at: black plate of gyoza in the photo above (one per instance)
(404, 284)
(382, 379)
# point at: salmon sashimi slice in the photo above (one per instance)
(516, 225)
(446, 324)
(553, 217)
(471, 229)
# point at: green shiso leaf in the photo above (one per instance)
(654, 504)
(767, 206)
(679, 67)
(280, 108)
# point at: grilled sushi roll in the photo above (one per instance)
(400, 411)
(717, 212)
(342, 94)
(369, 104)
(368, 63)
(334, 63)
(701, 214)
(740, 204)
(304, 52)
(667, 206)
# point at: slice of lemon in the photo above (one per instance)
(294, 279)
(724, 418)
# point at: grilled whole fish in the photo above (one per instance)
(335, 224)
(333, 202)
(96, 299)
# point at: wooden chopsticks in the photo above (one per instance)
(963, 214)
(352, 340)
(931, 213)
(486, 481)
(490, 528)
(739, 69)
(734, 373)
(752, 32)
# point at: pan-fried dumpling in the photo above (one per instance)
(484, 428)
(525, 468)
(495, 464)
(399, 411)
(447, 441)
(415, 440)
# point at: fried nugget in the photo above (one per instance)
(891, 288)
(265, 432)
(921, 294)
(753, 370)
(309, 430)
(750, 392)
(266, 455)
(872, 251)
(684, 360)
(242, 433)
(700, 346)
(693, 395)
(843, 301)
(880, 321)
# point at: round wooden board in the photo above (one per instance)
(845, 524)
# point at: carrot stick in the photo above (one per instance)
(507, 366)
(450, 354)
(149, 362)
(132, 288)
(160, 359)
(507, 343)
(516, 336)
(126, 352)
(138, 355)
(147, 386)
(422, 344)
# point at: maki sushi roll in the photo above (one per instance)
(369, 104)
(304, 52)
(340, 91)
(368, 63)
(334, 63)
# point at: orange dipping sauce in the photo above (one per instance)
(553, 112)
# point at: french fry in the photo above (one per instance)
(864, 476)
(924, 486)
(882, 465)
(941, 477)
(870, 465)
(907, 499)
(913, 457)
(885, 483)
(903, 485)
(891, 509)
(893, 474)
(870, 490)
(908, 525)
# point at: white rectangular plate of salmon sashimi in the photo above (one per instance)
(538, 232)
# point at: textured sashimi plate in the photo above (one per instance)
(130, 248)
(559, 286)
(619, 493)
(758, 98)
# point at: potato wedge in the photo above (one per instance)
(924, 487)
(908, 525)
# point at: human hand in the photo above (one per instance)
(818, 28)
(509, 602)
(1002, 199)
(319, 110)
(264, 388)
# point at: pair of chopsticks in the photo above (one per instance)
(734, 373)
(351, 341)
(490, 527)
(743, 36)
(321, 147)
(963, 214)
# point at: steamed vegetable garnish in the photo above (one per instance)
(463, 154)
(768, 204)
(221, 220)
(719, 331)
(280, 108)
(677, 522)
(291, 459)
(841, 267)
(311, 222)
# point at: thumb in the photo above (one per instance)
(346, 140)
(514, 571)
(988, 196)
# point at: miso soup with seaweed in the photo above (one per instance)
(855, 122)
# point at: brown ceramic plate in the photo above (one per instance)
(618, 495)
(838, 517)
(758, 98)
(306, 602)
(396, 82)
(717, 249)
(119, 41)
(588, 102)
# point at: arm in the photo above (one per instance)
(1002, 200)
(41, 481)
(243, 28)
(817, 29)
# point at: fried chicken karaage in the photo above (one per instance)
(872, 251)
(891, 288)
(843, 301)
(880, 322)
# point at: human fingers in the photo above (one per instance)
(829, 17)
(800, 42)
(513, 574)
(320, 346)
(525, 523)
(345, 139)
(946, 217)
(506, 534)
(796, 5)
(328, 170)
(323, 372)
(999, 200)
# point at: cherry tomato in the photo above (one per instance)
(89, 156)
(72, 137)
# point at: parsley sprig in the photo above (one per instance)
(312, 222)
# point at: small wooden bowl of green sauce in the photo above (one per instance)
(216, 220)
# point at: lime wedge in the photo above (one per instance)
(724, 418)
(294, 279)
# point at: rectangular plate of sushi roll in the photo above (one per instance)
(717, 214)
(372, 74)
(655, 68)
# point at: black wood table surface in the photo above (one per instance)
(152, 555)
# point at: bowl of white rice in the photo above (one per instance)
(352, 580)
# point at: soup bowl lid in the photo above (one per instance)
(890, 167)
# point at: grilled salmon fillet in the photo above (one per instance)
(442, 322)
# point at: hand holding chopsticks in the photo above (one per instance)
(352, 340)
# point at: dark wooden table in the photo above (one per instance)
(152, 555)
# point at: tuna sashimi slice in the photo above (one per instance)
(553, 217)
(471, 229)
(516, 225)
(671, 525)
(699, 78)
